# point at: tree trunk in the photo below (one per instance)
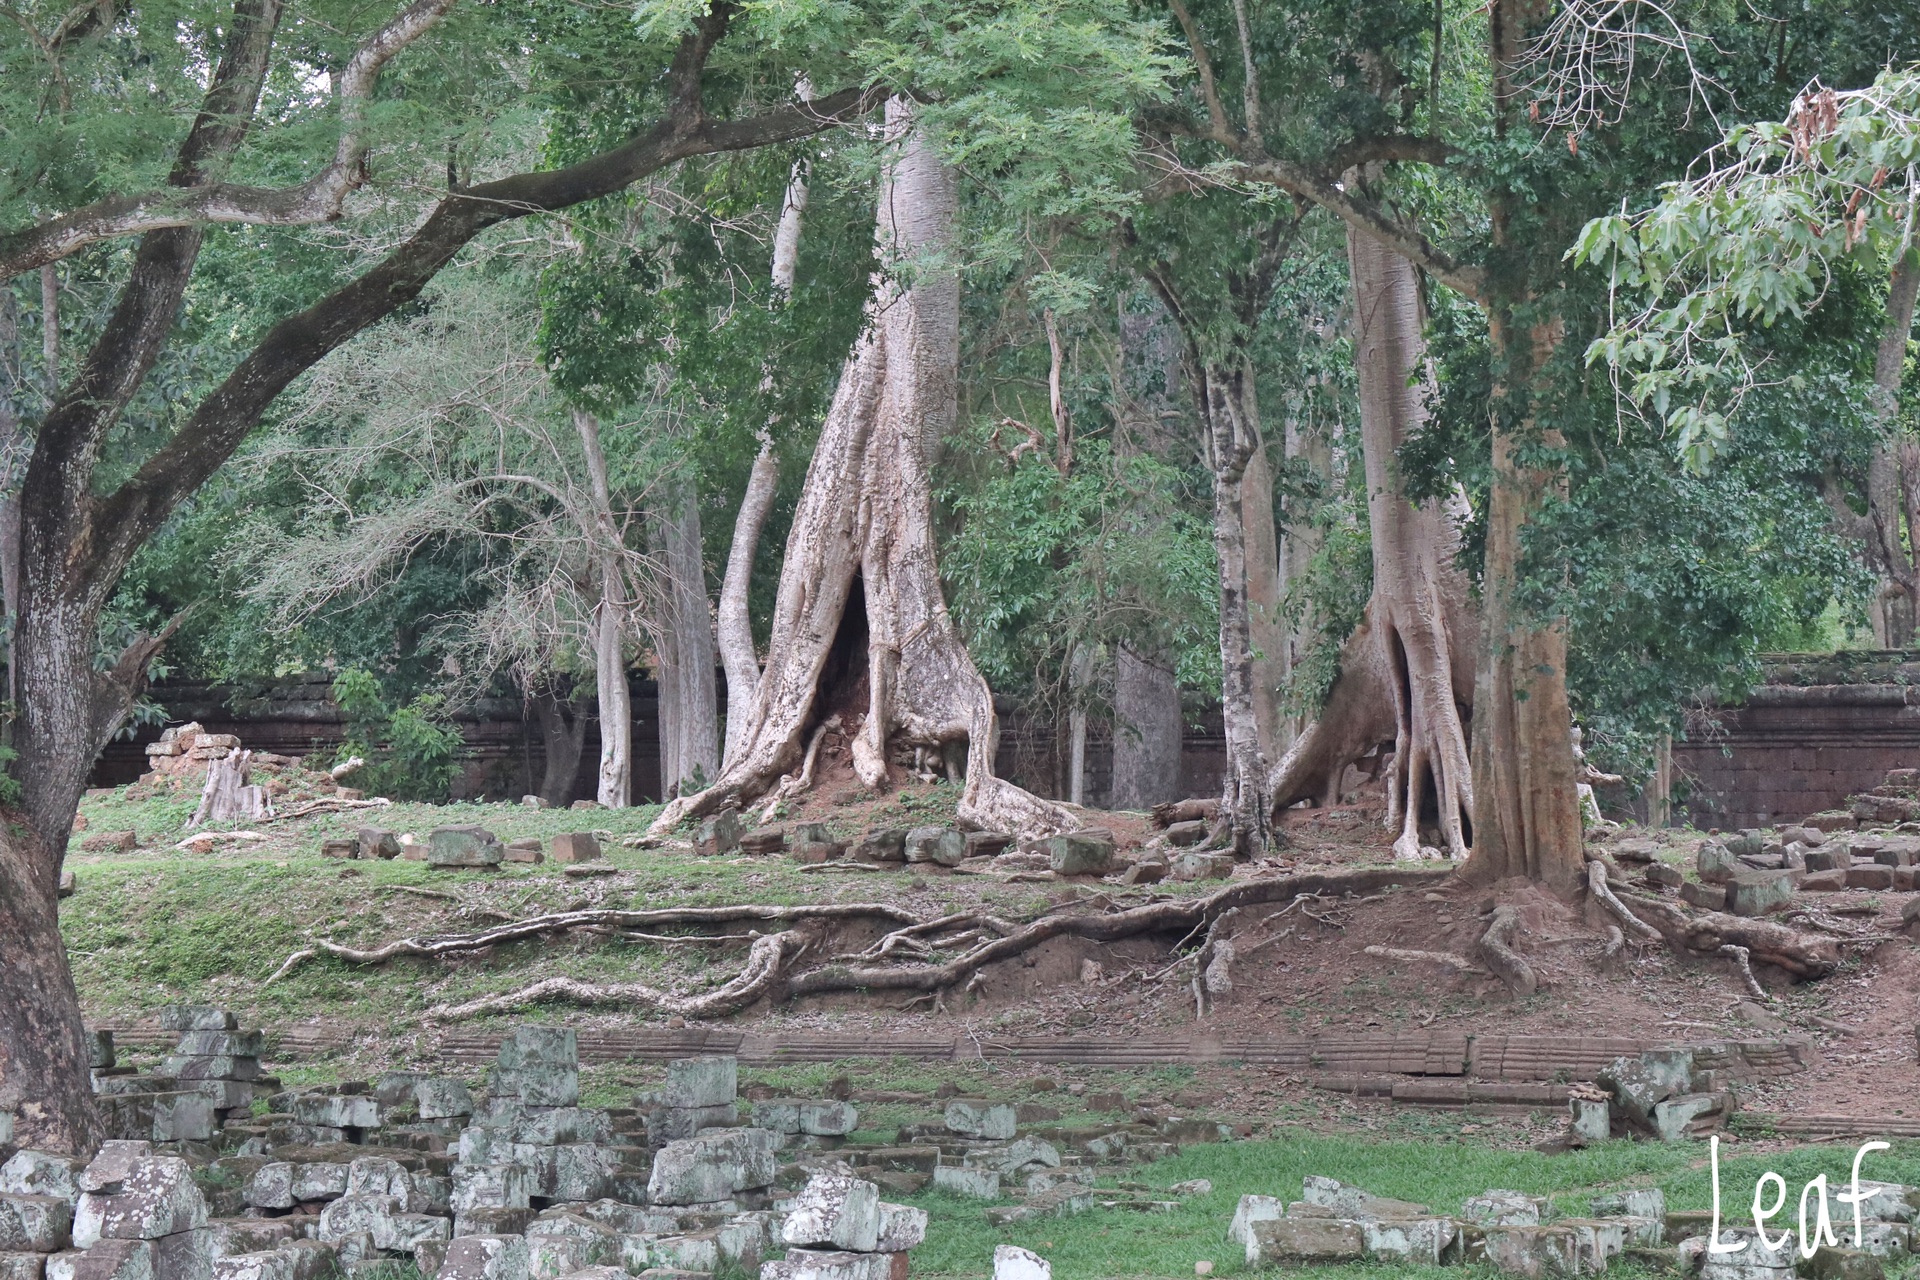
(689, 714)
(1232, 439)
(1893, 476)
(1080, 675)
(1146, 731)
(44, 1081)
(615, 787)
(893, 673)
(563, 739)
(735, 625)
(1266, 617)
(1526, 815)
(1405, 676)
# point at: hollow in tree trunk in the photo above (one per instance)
(861, 635)
(1406, 676)
(1146, 730)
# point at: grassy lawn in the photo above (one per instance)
(1439, 1172)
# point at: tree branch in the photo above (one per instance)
(1220, 131)
(1467, 280)
(318, 199)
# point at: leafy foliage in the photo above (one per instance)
(412, 751)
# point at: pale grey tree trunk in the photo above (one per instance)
(689, 714)
(1146, 731)
(610, 617)
(1080, 675)
(866, 514)
(734, 624)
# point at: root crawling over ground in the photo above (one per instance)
(922, 955)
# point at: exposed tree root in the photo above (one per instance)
(1496, 948)
(982, 939)
(1739, 956)
(765, 959)
(1414, 956)
(518, 930)
(1597, 885)
(1804, 955)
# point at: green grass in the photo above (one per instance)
(1439, 1172)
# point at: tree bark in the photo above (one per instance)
(1146, 731)
(1893, 474)
(615, 787)
(1406, 675)
(865, 520)
(1526, 815)
(44, 1081)
(1232, 439)
(563, 739)
(689, 715)
(738, 654)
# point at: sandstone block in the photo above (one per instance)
(1080, 853)
(464, 845)
(572, 847)
(835, 1210)
(979, 1118)
(1271, 1241)
(156, 1198)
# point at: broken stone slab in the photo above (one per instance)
(1271, 1241)
(41, 1173)
(1201, 864)
(1638, 1084)
(271, 1186)
(902, 1227)
(980, 1118)
(156, 1198)
(798, 1116)
(712, 1166)
(1353, 1202)
(1759, 893)
(1676, 1119)
(272, 1265)
(377, 844)
(1715, 863)
(114, 1260)
(1636, 1202)
(338, 1111)
(1837, 1263)
(319, 1180)
(538, 1065)
(977, 1184)
(525, 851)
(828, 1264)
(942, 846)
(834, 1210)
(464, 845)
(709, 1081)
(1501, 1208)
(882, 844)
(436, 1098)
(1080, 853)
(113, 1164)
(1011, 1262)
(491, 1186)
(1015, 1156)
(574, 847)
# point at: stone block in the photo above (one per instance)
(1664, 876)
(185, 1069)
(1677, 1118)
(492, 1221)
(961, 1180)
(1272, 1241)
(271, 1186)
(100, 1053)
(901, 1227)
(1830, 1263)
(377, 843)
(1413, 1240)
(825, 1264)
(464, 845)
(485, 1258)
(1823, 881)
(719, 834)
(338, 1110)
(1759, 893)
(942, 846)
(574, 847)
(35, 1224)
(1834, 855)
(834, 1210)
(1253, 1209)
(1638, 1202)
(1589, 1119)
(436, 1098)
(1195, 864)
(156, 1197)
(1870, 876)
(491, 1186)
(41, 1173)
(319, 1180)
(670, 1124)
(1503, 1209)
(1016, 1156)
(538, 1065)
(272, 1265)
(1716, 863)
(229, 1044)
(526, 852)
(1080, 853)
(980, 1118)
(1707, 896)
(712, 1166)
(882, 844)
(1010, 1262)
(828, 1118)
(577, 1171)
(1346, 1201)
(116, 1260)
(710, 1081)
(340, 847)
(1533, 1252)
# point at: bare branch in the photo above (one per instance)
(319, 199)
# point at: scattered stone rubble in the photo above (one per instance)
(177, 765)
(1520, 1235)
(512, 1182)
